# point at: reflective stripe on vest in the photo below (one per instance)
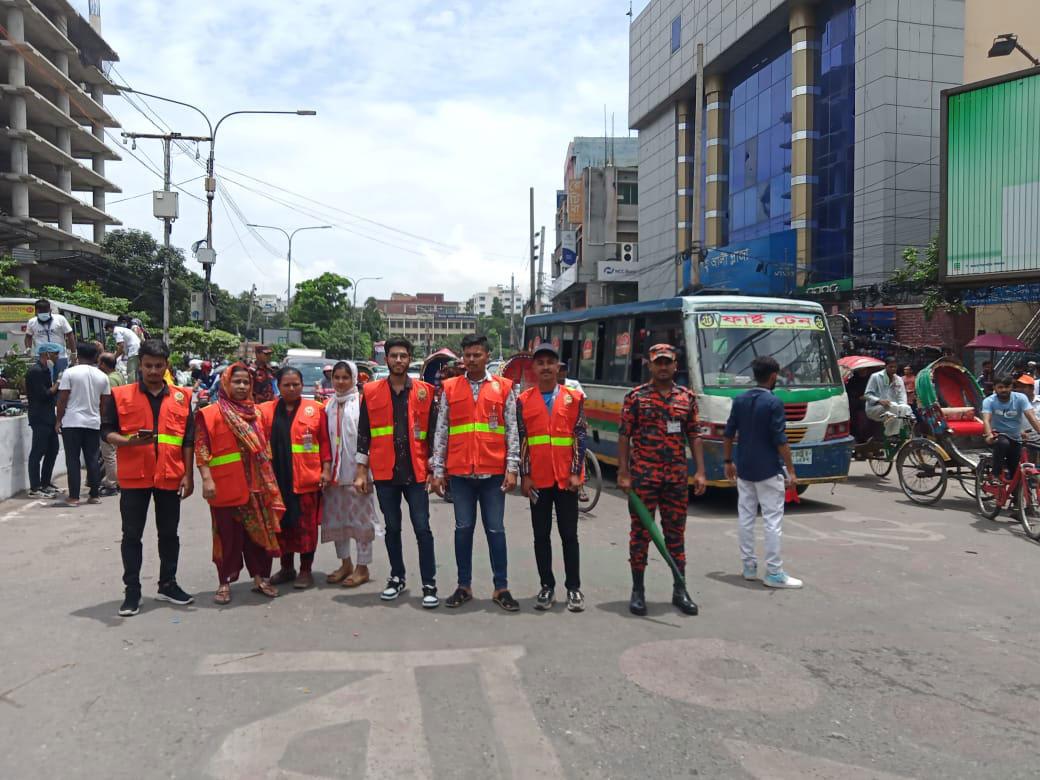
(304, 448)
(160, 463)
(223, 460)
(382, 455)
(165, 438)
(386, 430)
(475, 428)
(553, 441)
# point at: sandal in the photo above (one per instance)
(223, 595)
(345, 570)
(358, 577)
(505, 600)
(265, 588)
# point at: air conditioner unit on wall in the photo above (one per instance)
(628, 252)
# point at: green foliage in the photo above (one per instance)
(920, 274)
(214, 345)
(90, 295)
(497, 310)
(14, 367)
(10, 285)
(373, 322)
(278, 351)
(321, 301)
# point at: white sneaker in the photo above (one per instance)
(781, 580)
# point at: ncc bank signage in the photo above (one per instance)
(761, 266)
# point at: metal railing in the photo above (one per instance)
(1030, 335)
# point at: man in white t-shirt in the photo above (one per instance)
(46, 328)
(79, 422)
(127, 345)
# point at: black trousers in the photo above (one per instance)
(133, 506)
(44, 449)
(88, 442)
(1006, 454)
(566, 503)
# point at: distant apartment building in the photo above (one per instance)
(481, 303)
(596, 258)
(52, 137)
(426, 319)
(270, 304)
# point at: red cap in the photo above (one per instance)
(662, 350)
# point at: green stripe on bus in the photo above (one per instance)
(223, 460)
(790, 395)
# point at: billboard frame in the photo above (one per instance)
(944, 95)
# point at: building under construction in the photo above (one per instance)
(52, 136)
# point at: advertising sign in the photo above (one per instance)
(586, 349)
(760, 266)
(623, 345)
(616, 271)
(826, 289)
(990, 189)
(773, 320)
(569, 246)
(17, 312)
(575, 201)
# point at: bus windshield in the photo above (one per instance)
(727, 342)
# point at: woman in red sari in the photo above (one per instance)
(234, 458)
(301, 457)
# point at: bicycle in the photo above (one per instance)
(882, 454)
(994, 491)
(592, 487)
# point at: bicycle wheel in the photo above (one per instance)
(967, 482)
(588, 497)
(922, 471)
(1028, 511)
(880, 463)
(987, 485)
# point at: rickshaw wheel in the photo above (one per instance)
(922, 471)
(880, 463)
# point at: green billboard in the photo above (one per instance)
(990, 168)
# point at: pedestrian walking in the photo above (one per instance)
(49, 328)
(128, 344)
(657, 420)
(552, 430)
(348, 514)
(79, 422)
(302, 460)
(234, 458)
(397, 414)
(763, 470)
(41, 390)
(150, 426)
(477, 447)
(109, 480)
(886, 400)
(265, 385)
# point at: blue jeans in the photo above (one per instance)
(467, 492)
(419, 511)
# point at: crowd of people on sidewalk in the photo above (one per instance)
(283, 473)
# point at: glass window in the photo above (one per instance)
(588, 343)
(805, 355)
(628, 193)
(618, 351)
(676, 33)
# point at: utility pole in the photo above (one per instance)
(165, 207)
(249, 316)
(541, 260)
(530, 239)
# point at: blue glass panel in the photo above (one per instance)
(839, 27)
(739, 94)
(750, 162)
(738, 125)
(736, 211)
(750, 207)
(736, 168)
(676, 33)
(777, 102)
(764, 111)
(777, 72)
(764, 156)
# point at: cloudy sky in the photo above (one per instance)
(433, 120)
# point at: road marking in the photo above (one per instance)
(720, 675)
(766, 762)
(389, 700)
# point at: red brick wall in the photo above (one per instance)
(914, 330)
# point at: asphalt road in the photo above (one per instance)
(911, 652)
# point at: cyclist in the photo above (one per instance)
(1002, 416)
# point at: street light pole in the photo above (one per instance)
(354, 335)
(289, 238)
(211, 182)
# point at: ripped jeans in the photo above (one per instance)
(467, 493)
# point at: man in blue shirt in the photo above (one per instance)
(1002, 415)
(757, 419)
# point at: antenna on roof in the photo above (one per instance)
(604, 135)
(629, 12)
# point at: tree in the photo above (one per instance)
(372, 321)
(10, 285)
(215, 344)
(321, 300)
(90, 296)
(469, 306)
(920, 274)
(496, 308)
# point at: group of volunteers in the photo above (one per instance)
(282, 472)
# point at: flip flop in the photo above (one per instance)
(262, 592)
(223, 599)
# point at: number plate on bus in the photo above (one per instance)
(801, 457)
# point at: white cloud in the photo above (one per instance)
(433, 118)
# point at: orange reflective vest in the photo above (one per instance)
(550, 435)
(225, 466)
(160, 465)
(304, 437)
(381, 455)
(477, 431)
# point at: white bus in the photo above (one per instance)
(88, 324)
(717, 337)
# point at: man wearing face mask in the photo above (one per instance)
(41, 389)
(47, 328)
(763, 470)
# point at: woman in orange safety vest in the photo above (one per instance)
(234, 458)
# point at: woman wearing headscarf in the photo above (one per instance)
(234, 458)
(347, 514)
(302, 460)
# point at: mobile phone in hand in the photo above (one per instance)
(145, 433)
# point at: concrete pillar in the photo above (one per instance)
(17, 114)
(805, 52)
(716, 164)
(683, 181)
(98, 164)
(64, 136)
